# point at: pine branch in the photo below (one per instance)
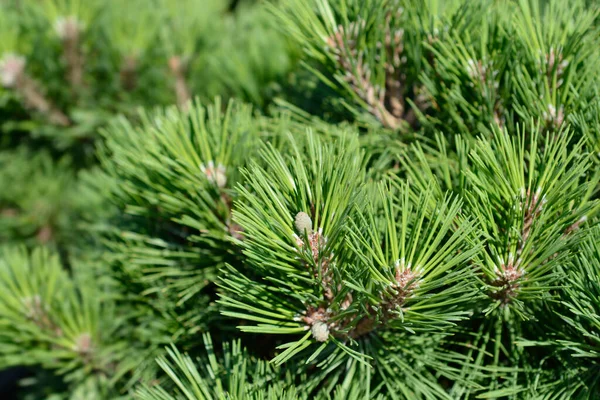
(233, 375)
(328, 262)
(61, 322)
(13, 76)
(528, 200)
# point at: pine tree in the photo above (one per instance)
(322, 199)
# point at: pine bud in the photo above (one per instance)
(552, 115)
(33, 306)
(221, 177)
(83, 344)
(67, 27)
(12, 67)
(320, 331)
(214, 174)
(303, 222)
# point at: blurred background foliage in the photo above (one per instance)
(130, 54)
(70, 67)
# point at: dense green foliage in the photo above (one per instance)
(299, 199)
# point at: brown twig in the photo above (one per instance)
(509, 274)
(128, 73)
(178, 67)
(396, 295)
(28, 89)
(12, 72)
(535, 204)
(35, 311)
(387, 104)
(575, 226)
(69, 30)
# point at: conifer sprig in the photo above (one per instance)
(176, 202)
(361, 44)
(294, 214)
(582, 314)
(133, 29)
(340, 258)
(70, 20)
(63, 323)
(13, 70)
(234, 375)
(192, 159)
(417, 258)
(576, 339)
(552, 73)
(528, 195)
